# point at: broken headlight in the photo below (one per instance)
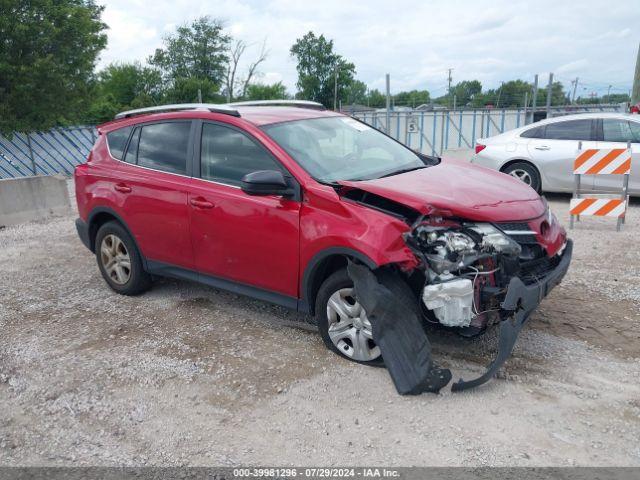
(496, 240)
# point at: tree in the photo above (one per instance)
(318, 66)
(197, 51)
(413, 98)
(48, 51)
(355, 93)
(237, 86)
(258, 91)
(465, 91)
(123, 86)
(376, 98)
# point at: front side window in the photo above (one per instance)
(117, 140)
(569, 130)
(341, 148)
(164, 146)
(227, 155)
(615, 131)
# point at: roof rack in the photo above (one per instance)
(212, 107)
(284, 103)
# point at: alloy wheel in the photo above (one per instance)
(521, 175)
(115, 259)
(349, 329)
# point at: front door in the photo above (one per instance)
(556, 152)
(251, 240)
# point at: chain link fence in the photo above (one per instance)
(432, 132)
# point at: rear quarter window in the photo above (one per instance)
(117, 141)
(536, 132)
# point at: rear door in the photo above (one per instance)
(253, 240)
(557, 150)
(153, 190)
(615, 133)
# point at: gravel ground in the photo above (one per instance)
(188, 375)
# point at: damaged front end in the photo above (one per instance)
(475, 275)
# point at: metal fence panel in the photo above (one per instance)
(56, 151)
(432, 132)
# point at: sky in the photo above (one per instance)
(415, 41)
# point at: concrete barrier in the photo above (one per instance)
(32, 198)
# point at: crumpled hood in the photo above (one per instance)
(463, 189)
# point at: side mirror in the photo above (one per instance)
(265, 182)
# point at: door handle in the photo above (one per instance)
(122, 188)
(542, 147)
(200, 203)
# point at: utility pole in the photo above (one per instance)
(635, 93)
(449, 88)
(199, 96)
(335, 88)
(499, 94)
(549, 88)
(609, 94)
(535, 97)
(388, 114)
(575, 87)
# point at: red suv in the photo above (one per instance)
(274, 201)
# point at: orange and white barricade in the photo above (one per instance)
(603, 161)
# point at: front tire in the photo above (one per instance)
(343, 323)
(119, 260)
(526, 173)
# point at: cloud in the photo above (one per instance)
(415, 41)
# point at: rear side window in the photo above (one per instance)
(569, 130)
(132, 149)
(228, 155)
(117, 141)
(537, 132)
(616, 131)
(164, 146)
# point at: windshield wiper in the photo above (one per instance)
(404, 170)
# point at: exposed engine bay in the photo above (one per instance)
(475, 275)
(467, 266)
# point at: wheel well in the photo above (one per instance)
(520, 160)
(321, 272)
(97, 221)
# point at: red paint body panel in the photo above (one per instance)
(248, 239)
(465, 190)
(268, 242)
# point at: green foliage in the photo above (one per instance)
(413, 98)
(124, 86)
(355, 93)
(48, 50)
(259, 91)
(465, 91)
(185, 90)
(376, 99)
(317, 65)
(199, 50)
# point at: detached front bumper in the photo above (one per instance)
(518, 304)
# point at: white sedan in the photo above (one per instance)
(542, 154)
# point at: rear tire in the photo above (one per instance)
(526, 173)
(119, 260)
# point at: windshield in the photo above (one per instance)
(341, 148)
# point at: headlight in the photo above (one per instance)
(495, 239)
